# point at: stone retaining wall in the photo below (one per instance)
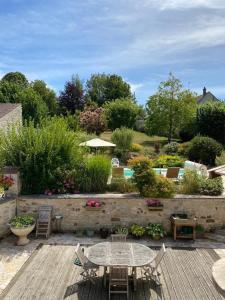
(126, 210)
(7, 211)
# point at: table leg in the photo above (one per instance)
(135, 278)
(104, 277)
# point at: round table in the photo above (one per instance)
(110, 254)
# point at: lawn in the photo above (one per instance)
(139, 138)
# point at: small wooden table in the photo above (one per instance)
(110, 254)
(178, 222)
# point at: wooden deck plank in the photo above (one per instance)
(51, 275)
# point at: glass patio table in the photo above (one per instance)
(109, 254)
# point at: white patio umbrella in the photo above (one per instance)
(97, 143)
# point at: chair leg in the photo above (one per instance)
(104, 277)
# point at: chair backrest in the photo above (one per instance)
(118, 274)
(160, 255)
(118, 237)
(115, 162)
(172, 172)
(117, 172)
(80, 254)
(44, 213)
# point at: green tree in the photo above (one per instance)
(121, 113)
(101, 88)
(33, 107)
(16, 77)
(211, 120)
(47, 95)
(170, 108)
(9, 92)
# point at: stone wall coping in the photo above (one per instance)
(131, 196)
(5, 200)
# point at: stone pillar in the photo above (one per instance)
(13, 172)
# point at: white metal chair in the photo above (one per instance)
(89, 269)
(118, 280)
(151, 270)
(115, 162)
(118, 237)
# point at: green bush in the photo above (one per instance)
(204, 150)
(144, 176)
(39, 152)
(121, 185)
(171, 148)
(155, 230)
(188, 131)
(212, 187)
(191, 182)
(136, 148)
(211, 120)
(123, 138)
(168, 161)
(220, 160)
(161, 188)
(94, 174)
(183, 148)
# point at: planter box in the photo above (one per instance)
(155, 208)
(93, 208)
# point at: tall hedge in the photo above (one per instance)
(211, 121)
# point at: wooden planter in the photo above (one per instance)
(155, 208)
(93, 208)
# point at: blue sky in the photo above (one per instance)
(140, 40)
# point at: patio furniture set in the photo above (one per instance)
(119, 260)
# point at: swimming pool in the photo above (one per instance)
(161, 171)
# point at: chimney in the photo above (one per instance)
(204, 91)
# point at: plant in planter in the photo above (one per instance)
(2, 193)
(104, 233)
(154, 204)
(5, 183)
(90, 232)
(21, 226)
(156, 231)
(122, 230)
(90, 204)
(137, 231)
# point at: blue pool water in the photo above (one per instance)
(129, 172)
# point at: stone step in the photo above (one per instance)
(220, 232)
(215, 237)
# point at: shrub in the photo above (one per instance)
(121, 113)
(136, 148)
(220, 160)
(211, 120)
(161, 188)
(94, 175)
(137, 230)
(121, 230)
(121, 185)
(39, 152)
(171, 148)
(191, 182)
(183, 148)
(212, 187)
(138, 160)
(168, 161)
(204, 150)
(143, 175)
(93, 121)
(22, 221)
(123, 138)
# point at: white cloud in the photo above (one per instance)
(135, 86)
(187, 4)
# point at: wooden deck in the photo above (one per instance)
(50, 274)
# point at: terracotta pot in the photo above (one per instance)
(22, 233)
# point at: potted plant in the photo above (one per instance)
(5, 183)
(104, 233)
(154, 205)
(93, 205)
(137, 231)
(200, 231)
(21, 226)
(121, 230)
(90, 232)
(156, 231)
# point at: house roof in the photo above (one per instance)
(206, 98)
(6, 108)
